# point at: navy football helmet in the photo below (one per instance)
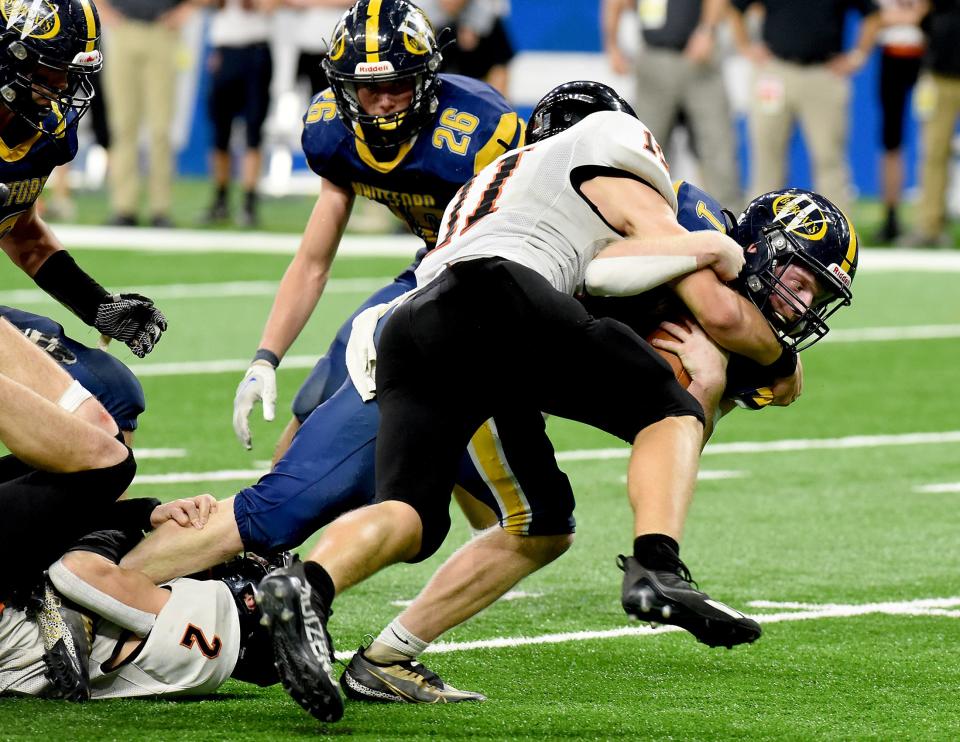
(242, 575)
(567, 104)
(795, 226)
(383, 41)
(49, 49)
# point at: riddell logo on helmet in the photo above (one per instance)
(373, 68)
(840, 274)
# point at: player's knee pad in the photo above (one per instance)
(106, 484)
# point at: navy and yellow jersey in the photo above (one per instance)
(698, 210)
(25, 167)
(748, 384)
(473, 125)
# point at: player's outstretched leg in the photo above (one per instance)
(398, 682)
(296, 612)
(669, 596)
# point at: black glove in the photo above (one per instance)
(133, 319)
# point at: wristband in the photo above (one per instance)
(269, 356)
(65, 281)
(785, 364)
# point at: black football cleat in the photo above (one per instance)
(398, 682)
(303, 651)
(667, 596)
(67, 636)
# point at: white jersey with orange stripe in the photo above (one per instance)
(191, 650)
(526, 206)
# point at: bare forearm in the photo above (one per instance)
(729, 319)
(297, 297)
(30, 243)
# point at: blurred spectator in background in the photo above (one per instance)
(481, 47)
(942, 83)
(901, 45)
(241, 68)
(140, 81)
(677, 70)
(313, 34)
(801, 72)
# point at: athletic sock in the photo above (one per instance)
(656, 551)
(395, 644)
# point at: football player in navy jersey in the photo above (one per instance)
(390, 129)
(48, 53)
(800, 255)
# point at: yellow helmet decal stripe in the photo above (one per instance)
(373, 31)
(505, 131)
(92, 31)
(851, 256)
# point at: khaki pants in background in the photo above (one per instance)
(938, 128)
(140, 75)
(666, 82)
(818, 99)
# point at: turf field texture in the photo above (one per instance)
(834, 522)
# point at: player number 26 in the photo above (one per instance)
(454, 130)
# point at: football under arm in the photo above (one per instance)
(656, 249)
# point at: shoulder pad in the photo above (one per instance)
(698, 210)
(480, 123)
(323, 132)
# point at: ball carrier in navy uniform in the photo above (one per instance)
(48, 55)
(391, 129)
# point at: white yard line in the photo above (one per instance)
(193, 240)
(365, 285)
(192, 477)
(709, 474)
(799, 444)
(938, 488)
(213, 367)
(207, 241)
(180, 368)
(880, 334)
(160, 453)
(603, 454)
(935, 607)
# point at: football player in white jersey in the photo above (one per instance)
(184, 638)
(591, 205)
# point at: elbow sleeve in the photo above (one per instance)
(634, 274)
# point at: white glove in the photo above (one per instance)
(259, 384)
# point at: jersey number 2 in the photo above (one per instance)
(194, 636)
(488, 201)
